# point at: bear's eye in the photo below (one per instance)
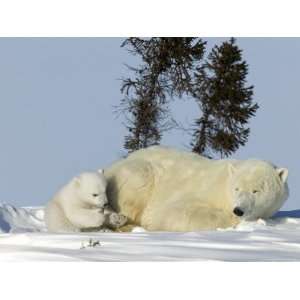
(255, 191)
(237, 189)
(95, 195)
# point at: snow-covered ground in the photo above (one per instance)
(23, 237)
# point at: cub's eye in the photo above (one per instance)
(255, 191)
(237, 189)
(95, 195)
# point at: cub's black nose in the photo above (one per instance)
(237, 211)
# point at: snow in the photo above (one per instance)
(23, 237)
(30, 219)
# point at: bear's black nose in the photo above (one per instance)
(237, 211)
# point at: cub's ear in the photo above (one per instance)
(100, 171)
(283, 174)
(231, 169)
(76, 181)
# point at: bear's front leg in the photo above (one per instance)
(85, 218)
(114, 220)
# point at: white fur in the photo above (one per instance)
(258, 188)
(165, 189)
(78, 205)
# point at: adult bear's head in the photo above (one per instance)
(258, 188)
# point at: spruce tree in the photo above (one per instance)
(167, 70)
(225, 101)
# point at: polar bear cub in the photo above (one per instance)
(82, 204)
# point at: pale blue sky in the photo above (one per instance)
(58, 96)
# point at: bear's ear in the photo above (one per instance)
(283, 174)
(232, 169)
(100, 171)
(76, 181)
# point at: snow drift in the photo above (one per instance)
(24, 238)
(30, 219)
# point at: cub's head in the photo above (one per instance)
(258, 189)
(91, 188)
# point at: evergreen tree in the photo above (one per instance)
(167, 70)
(225, 102)
(173, 67)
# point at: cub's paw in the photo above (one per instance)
(117, 220)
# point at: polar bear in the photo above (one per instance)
(81, 205)
(164, 189)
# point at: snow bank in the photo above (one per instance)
(24, 238)
(24, 219)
